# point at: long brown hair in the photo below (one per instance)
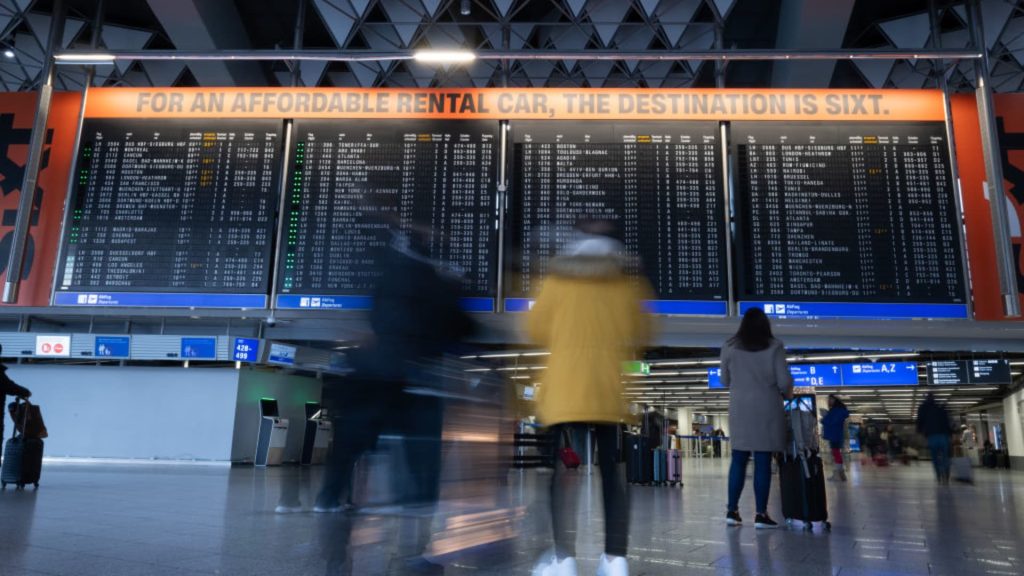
(755, 331)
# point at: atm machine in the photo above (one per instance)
(273, 435)
(318, 435)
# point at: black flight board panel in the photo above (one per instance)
(988, 371)
(857, 212)
(172, 206)
(350, 180)
(660, 182)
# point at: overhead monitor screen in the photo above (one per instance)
(351, 181)
(171, 213)
(659, 183)
(855, 220)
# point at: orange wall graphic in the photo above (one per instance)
(977, 211)
(17, 112)
(518, 104)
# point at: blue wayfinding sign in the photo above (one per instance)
(864, 374)
(246, 350)
(113, 346)
(880, 374)
(199, 348)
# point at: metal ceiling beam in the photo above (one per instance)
(661, 55)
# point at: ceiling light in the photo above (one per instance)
(444, 56)
(84, 58)
(8, 53)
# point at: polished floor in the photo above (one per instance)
(175, 520)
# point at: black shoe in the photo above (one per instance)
(732, 518)
(763, 521)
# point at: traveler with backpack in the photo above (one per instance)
(833, 426)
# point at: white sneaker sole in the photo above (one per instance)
(760, 526)
(731, 522)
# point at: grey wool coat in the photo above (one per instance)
(758, 383)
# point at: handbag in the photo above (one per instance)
(570, 459)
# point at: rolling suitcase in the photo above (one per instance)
(638, 468)
(675, 467)
(962, 469)
(802, 482)
(660, 466)
(23, 455)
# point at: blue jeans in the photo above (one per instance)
(762, 478)
(939, 446)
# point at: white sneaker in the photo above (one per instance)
(612, 566)
(550, 566)
(283, 509)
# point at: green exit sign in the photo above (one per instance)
(636, 367)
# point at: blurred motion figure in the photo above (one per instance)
(589, 314)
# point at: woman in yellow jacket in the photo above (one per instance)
(589, 314)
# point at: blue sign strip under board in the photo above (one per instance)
(856, 310)
(160, 299)
(664, 307)
(862, 374)
(312, 302)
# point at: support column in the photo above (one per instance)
(993, 168)
(16, 259)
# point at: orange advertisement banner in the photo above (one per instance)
(518, 104)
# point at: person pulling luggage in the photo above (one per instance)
(9, 388)
(754, 369)
(833, 426)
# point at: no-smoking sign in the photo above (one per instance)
(53, 345)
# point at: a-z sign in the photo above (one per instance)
(518, 104)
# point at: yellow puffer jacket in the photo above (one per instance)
(590, 315)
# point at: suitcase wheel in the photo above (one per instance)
(828, 526)
(808, 527)
(3, 485)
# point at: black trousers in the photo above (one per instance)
(376, 408)
(613, 487)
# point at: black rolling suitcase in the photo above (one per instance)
(802, 482)
(23, 454)
(639, 469)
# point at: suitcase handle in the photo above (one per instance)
(24, 419)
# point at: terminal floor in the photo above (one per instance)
(175, 520)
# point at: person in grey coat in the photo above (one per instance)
(754, 368)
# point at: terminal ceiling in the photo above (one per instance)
(568, 27)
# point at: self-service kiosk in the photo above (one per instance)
(317, 438)
(273, 435)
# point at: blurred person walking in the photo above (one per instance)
(933, 422)
(833, 429)
(589, 314)
(753, 367)
(415, 319)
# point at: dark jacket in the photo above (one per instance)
(8, 388)
(933, 419)
(416, 315)
(832, 424)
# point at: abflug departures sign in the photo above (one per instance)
(849, 375)
(171, 209)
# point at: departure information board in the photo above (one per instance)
(847, 220)
(172, 213)
(351, 181)
(659, 182)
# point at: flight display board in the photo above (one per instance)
(659, 182)
(852, 220)
(173, 213)
(350, 181)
